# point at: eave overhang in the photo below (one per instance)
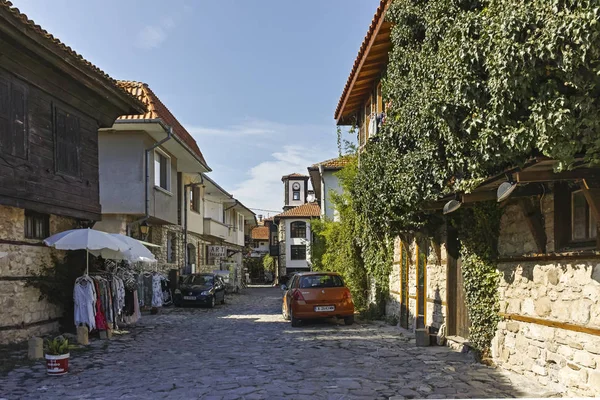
(370, 63)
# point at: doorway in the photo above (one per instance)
(404, 263)
(458, 322)
(422, 253)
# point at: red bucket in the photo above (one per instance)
(57, 365)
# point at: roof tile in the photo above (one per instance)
(308, 210)
(361, 52)
(156, 109)
(339, 162)
(52, 41)
(260, 233)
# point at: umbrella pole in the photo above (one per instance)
(87, 262)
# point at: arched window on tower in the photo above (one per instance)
(298, 229)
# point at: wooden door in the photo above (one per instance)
(422, 248)
(458, 322)
(462, 316)
(404, 313)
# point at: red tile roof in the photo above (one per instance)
(69, 55)
(155, 109)
(334, 163)
(294, 175)
(260, 233)
(308, 210)
(377, 20)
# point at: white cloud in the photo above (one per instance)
(259, 152)
(263, 188)
(152, 36)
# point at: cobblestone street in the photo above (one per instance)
(244, 350)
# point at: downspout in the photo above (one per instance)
(185, 217)
(147, 180)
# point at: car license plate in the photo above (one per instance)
(189, 297)
(325, 308)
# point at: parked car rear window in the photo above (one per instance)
(320, 281)
(199, 280)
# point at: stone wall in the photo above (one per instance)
(435, 282)
(23, 313)
(563, 292)
(392, 306)
(159, 234)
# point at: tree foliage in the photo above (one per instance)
(337, 247)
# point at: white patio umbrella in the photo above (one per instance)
(101, 243)
(136, 251)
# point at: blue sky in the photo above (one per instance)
(255, 82)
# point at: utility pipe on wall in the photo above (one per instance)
(185, 217)
(147, 180)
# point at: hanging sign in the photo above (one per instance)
(217, 251)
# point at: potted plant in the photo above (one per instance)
(57, 356)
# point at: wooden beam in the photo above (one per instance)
(533, 217)
(549, 176)
(553, 324)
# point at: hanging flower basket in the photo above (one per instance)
(57, 356)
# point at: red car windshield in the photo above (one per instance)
(320, 281)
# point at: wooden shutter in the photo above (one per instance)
(5, 133)
(164, 170)
(60, 128)
(379, 99)
(157, 169)
(67, 142)
(18, 120)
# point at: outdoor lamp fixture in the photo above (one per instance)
(452, 205)
(144, 228)
(506, 188)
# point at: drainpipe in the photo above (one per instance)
(147, 181)
(185, 218)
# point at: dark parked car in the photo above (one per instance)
(200, 289)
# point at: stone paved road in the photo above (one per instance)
(244, 350)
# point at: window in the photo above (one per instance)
(574, 222)
(320, 281)
(298, 252)
(67, 141)
(37, 226)
(195, 199)
(162, 170)
(241, 222)
(296, 195)
(13, 118)
(583, 223)
(298, 229)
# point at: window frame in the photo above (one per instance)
(294, 230)
(296, 195)
(589, 217)
(36, 217)
(563, 220)
(195, 199)
(294, 254)
(158, 177)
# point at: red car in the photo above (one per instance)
(312, 295)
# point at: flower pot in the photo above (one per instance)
(57, 365)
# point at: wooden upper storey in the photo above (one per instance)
(370, 63)
(52, 103)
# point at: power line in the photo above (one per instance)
(260, 209)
